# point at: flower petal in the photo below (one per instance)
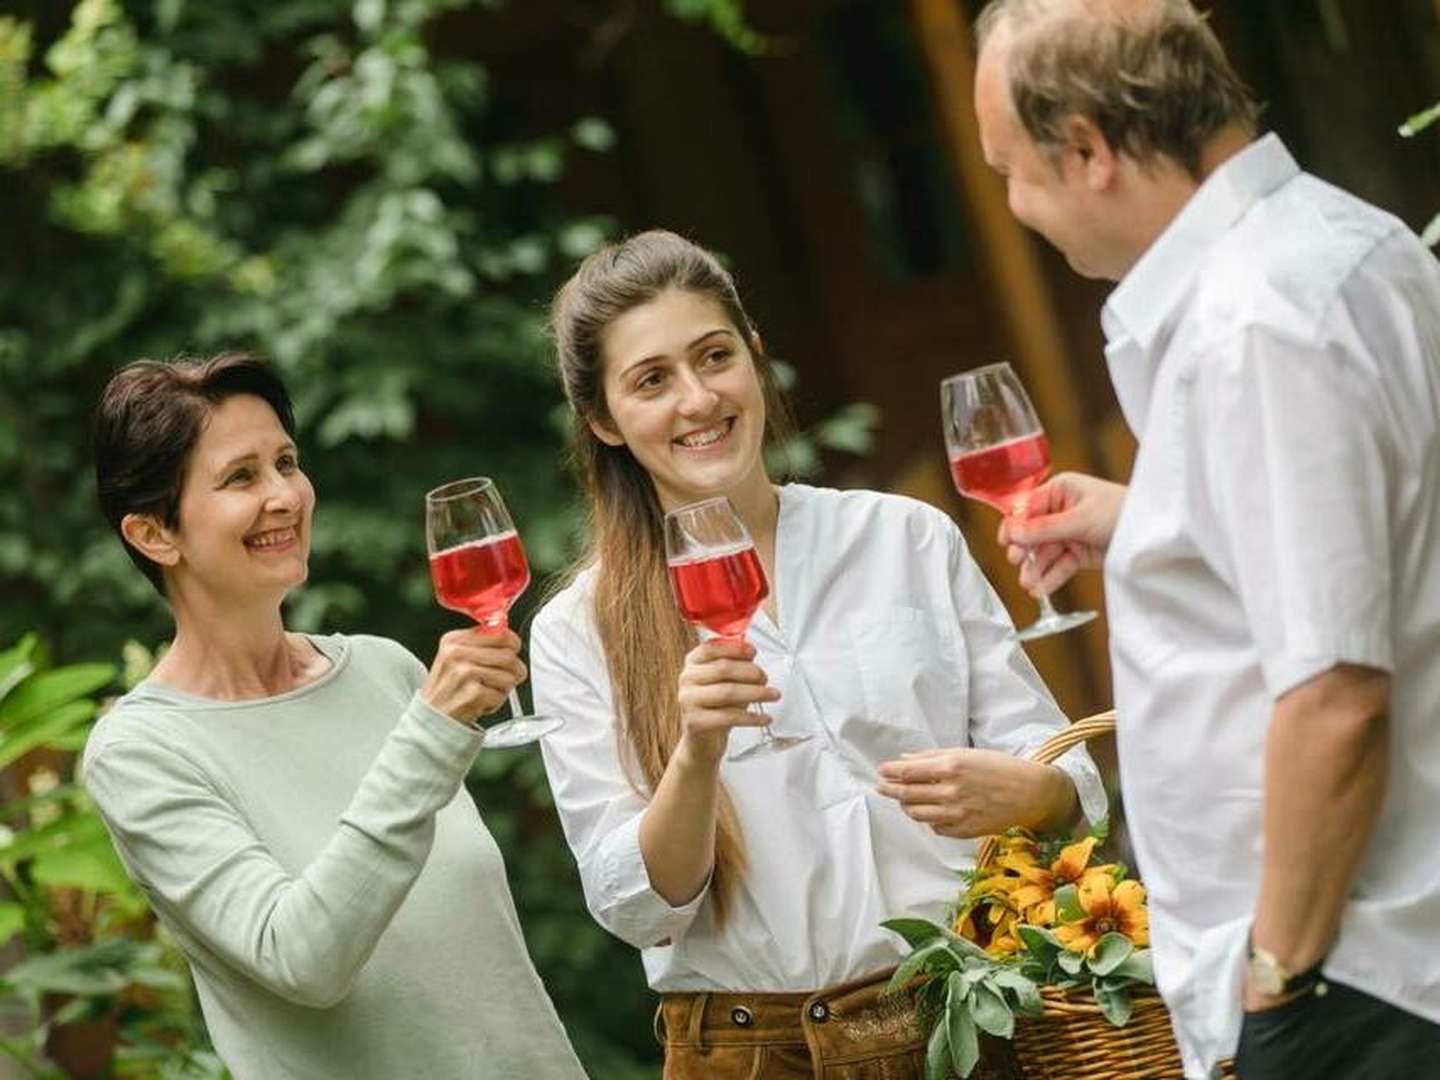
(1094, 895)
(1073, 859)
(1129, 895)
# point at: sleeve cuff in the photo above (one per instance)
(1094, 803)
(450, 737)
(1284, 671)
(632, 909)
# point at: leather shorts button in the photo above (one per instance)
(819, 1012)
(740, 1016)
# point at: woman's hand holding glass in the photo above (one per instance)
(719, 684)
(478, 567)
(473, 673)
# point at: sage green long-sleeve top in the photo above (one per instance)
(342, 906)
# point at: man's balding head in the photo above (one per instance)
(1148, 73)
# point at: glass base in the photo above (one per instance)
(769, 744)
(520, 730)
(1052, 624)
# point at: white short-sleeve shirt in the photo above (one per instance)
(889, 639)
(1277, 352)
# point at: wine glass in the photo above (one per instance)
(479, 568)
(998, 454)
(719, 583)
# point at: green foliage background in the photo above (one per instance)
(325, 183)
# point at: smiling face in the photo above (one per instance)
(245, 507)
(1057, 196)
(684, 397)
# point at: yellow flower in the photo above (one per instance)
(1035, 898)
(1109, 908)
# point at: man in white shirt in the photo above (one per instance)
(1273, 590)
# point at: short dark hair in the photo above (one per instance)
(151, 415)
(1152, 77)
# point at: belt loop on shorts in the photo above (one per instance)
(697, 1019)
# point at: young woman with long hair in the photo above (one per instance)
(755, 886)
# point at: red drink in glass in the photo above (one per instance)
(720, 592)
(482, 578)
(1001, 474)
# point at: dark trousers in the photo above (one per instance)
(1334, 1032)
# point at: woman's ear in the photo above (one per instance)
(757, 344)
(147, 535)
(604, 431)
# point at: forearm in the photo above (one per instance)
(677, 833)
(1325, 772)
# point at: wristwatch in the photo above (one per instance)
(1271, 978)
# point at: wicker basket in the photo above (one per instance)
(1073, 1039)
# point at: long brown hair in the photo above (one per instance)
(641, 632)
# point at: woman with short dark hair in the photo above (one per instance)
(292, 803)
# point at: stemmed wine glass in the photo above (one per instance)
(479, 568)
(719, 583)
(998, 453)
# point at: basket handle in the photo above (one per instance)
(1092, 727)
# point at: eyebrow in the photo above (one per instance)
(688, 348)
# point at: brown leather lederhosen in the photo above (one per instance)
(846, 1032)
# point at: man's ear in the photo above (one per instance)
(604, 431)
(1091, 152)
(146, 534)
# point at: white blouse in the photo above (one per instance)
(889, 640)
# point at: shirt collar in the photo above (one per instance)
(1149, 296)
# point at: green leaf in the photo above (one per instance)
(937, 1053)
(1067, 904)
(851, 429)
(1137, 966)
(94, 969)
(593, 133)
(1420, 121)
(991, 1011)
(12, 920)
(935, 951)
(1431, 236)
(965, 949)
(1027, 994)
(42, 729)
(48, 690)
(15, 664)
(1041, 942)
(1070, 962)
(1115, 1004)
(916, 932)
(964, 1040)
(93, 866)
(72, 830)
(1111, 951)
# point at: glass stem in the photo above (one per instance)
(498, 624)
(1047, 609)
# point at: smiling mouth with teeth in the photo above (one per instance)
(274, 538)
(698, 440)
